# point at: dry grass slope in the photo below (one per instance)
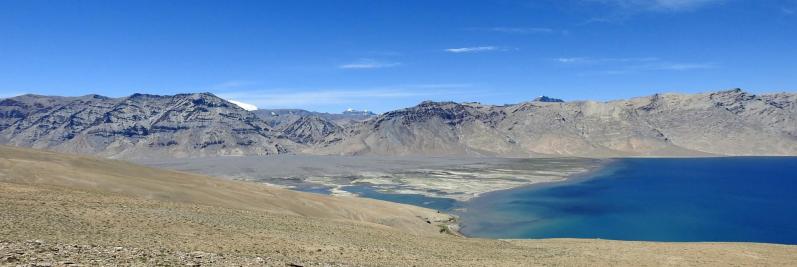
(62, 209)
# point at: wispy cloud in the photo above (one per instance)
(617, 66)
(589, 60)
(787, 11)
(474, 49)
(682, 66)
(662, 66)
(660, 5)
(367, 63)
(293, 98)
(519, 30)
(621, 10)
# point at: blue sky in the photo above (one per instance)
(383, 55)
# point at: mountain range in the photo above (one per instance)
(731, 122)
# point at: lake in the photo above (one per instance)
(740, 199)
(436, 203)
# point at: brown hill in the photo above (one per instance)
(62, 209)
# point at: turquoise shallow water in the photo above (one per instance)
(436, 203)
(745, 199)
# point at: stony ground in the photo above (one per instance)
(41, 253)
(66, 217)
(61, 227)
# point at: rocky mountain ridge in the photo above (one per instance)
(137, 126)
(731, 122)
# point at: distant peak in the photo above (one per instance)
(733, 91)
(140, 96)
(548, 99)
(429, 103)
(202, 95)
(351, 111)
(96, 96)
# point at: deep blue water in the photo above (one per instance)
(747, 199)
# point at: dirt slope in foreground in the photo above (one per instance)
(33, 167)
(77, 215)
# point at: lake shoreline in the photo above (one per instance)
(604, 168)
(441, 177)
(659, 200)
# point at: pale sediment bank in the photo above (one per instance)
(441, 177)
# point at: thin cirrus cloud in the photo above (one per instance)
(519, 30)
(368, 64)
(621, 10)
(589, 60)
(473, 49)
(683, 66)
(659, 5)
(654, 67)
(617, 66)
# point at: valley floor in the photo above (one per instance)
(459, 178)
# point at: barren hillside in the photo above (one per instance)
(62, 209)
(730, 122)
(722, 123)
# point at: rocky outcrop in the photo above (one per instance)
(310, 130)
(547, 99)
(281, 117)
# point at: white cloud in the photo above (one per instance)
(291, 99)
(243, 105)
(366, 63)
(474, 49)
(570, 59)
(787, 11)
(295, 98)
